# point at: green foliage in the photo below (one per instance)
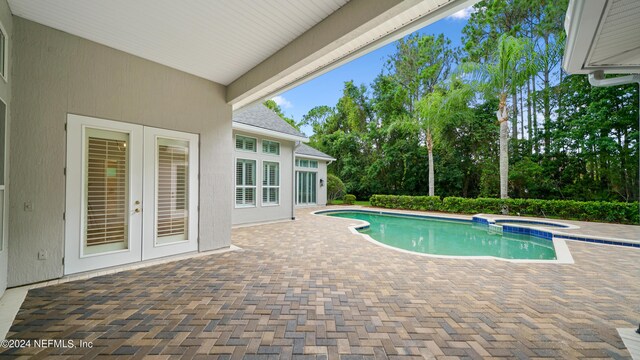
(573, 141)
(613, 212)
(349, 199)
(335, 188)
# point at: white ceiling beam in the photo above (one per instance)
(358, 27)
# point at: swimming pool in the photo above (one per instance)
(448, 237)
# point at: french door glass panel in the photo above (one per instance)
(106, 187)
(306, 187)
(172, 215)
(170, 193)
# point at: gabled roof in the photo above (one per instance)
(602, 35)
(260, 119)
(305, 150)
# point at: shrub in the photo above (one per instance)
(615, 212)
(335, 188)
(349, 199)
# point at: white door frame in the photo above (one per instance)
(151, 248)
(74, 259)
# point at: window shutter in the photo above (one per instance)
(106, 191)
(173, 170)
(250, 144)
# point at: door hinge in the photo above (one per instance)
(65, 171)
(65, 126)
(64, 216)
(62, 260)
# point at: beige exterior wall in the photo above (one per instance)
(5, 95)
(56, 73)
(259, 212)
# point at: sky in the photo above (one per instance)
(326, 89)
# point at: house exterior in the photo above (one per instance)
(116, 118)
(274, 171)
(311, 176)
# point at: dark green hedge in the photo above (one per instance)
(614, 212)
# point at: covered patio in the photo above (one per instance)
(311, 288)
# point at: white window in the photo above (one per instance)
(270, 147)
(270, 183)
(245, 143)
(245, 182)
(307, 163)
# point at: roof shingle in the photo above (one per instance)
(304, 149)
(262, 117)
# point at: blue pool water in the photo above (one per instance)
(444, 237)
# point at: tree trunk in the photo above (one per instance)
(546, 98)
(529, 117)
(503, 118)
(431, 176)
(514, 130)
(521, 114)
(534, 115)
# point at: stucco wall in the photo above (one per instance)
(5, 95)
(56, 73)
(260, 213)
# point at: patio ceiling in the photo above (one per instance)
(602, 35)
(256, 48)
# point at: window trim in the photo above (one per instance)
(236, 186)
(263, 187)
(5, 67)
(245, 150)
(272, 141)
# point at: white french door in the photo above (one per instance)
(170, 193)
(131, 193)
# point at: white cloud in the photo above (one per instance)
(282, 102)
(462, 14)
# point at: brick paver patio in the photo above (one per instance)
(310, 288)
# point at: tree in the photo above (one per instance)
(508, 67)
(435, 110)
(419, 64)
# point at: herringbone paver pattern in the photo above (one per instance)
(311, 289)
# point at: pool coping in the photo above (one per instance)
(563, 255)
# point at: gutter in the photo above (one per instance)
(597, 78)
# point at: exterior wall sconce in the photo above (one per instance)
(321, 182)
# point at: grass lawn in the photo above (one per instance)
(341, 202)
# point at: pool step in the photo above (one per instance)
(495, 229)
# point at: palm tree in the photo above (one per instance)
(438, 108)
(508, 67)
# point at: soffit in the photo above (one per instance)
(602, 35)
(218, 40)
